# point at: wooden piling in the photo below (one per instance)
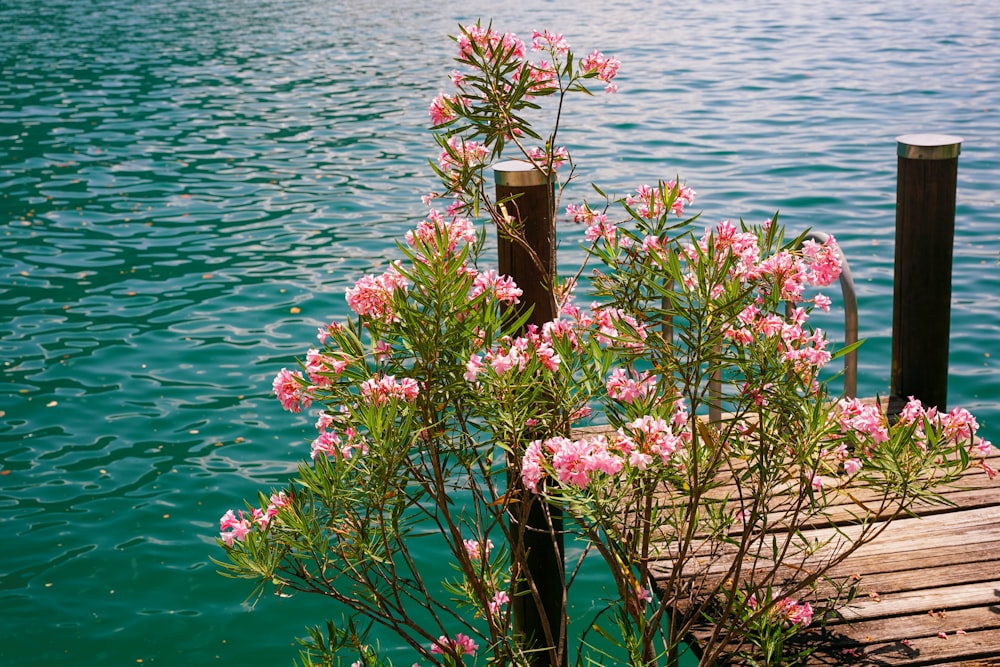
(925, 228)
(527, 253)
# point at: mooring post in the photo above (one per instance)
(925, 230)
(527, 253)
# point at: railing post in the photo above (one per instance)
(527, 195)
(925, 230)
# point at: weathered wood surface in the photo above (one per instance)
(928, 586)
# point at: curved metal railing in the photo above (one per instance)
(850, 316)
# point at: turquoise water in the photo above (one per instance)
(186, 188)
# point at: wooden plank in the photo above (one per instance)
(885, 583)
(983, 593)
(970, 648)
(914, 559)
(971, 528)
(898, 628)
(935, 573)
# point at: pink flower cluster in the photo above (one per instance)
(461, 155)
(603, 67)
(598, 226)
(541, 156)
(476, 550)
(290, 388)
(794, 612)
(500, 598)
(372, 296)
(787, 609)
(502, 288)
(491, 43)
(235, 526)
(643, 438)
(824, 264)
(629, 387)
(380, 390)
(444, 107)
(329, 444)
(804, 351)
(616, 327)
(957, 426)
(784, 273)
(320, 367)
(515, 354)
(866, 420)
(648, 201)
(452, 233)
(232, 528)
(460, 645)
(574, 462)
(571, 461)
(549, 41)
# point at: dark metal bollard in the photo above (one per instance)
(531, 262)
(533, 207)
(925, 230)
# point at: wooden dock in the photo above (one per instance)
(928, 586)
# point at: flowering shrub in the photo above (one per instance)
(445, 422)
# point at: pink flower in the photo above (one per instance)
(851, 466)
(648, 201)
(232, 528)
(603, 67)
(459, 155)
(501, 287)
(436, 227)
(981, 449)
(326, 443)
(320, 366)
(600, 228)
(289, 387)
(824, 265)
(865, 420)
(541, 156)
(786, 272)
(548, 357)
(800, 614)
(460, 645)
(322, 333)
(372, 295)
(324, 421)
(572, 461)
(822, 302)
(816, 481)
(652, 435)
(381, 390)
(472, 367)
(490, 42)
(475, 550)
(532, 470)
(500, 598)
(330, 445)
(622, 387)
(442, 109)
(959, 425)
(548, 41)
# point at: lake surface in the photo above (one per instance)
(187, 188)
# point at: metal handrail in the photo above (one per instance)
(850, 333)
(850, 315)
